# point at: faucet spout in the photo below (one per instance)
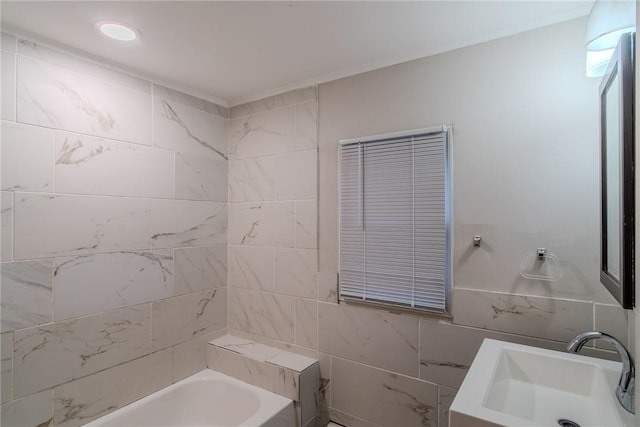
(625, 392)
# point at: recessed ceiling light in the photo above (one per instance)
(118, 31)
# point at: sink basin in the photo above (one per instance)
(517, 385)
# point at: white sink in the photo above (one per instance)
(517, 385)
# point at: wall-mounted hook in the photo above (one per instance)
(476, 241)
(541, 253)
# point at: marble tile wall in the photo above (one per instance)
(382, 368)
(273, 256)
(114, 236)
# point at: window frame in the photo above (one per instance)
(448, 285)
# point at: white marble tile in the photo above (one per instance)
(297, 272)
(309, 384)
(8, 95)
(190, 356)
(6, 226)
(189, 130)
(78, 402)
(399, 400)
(280, 100)
(307, 125)
(324, 388)
(27, 294)
(53, 354)
(252, 179)
(89, 165)
(199, 269)
(349, 420)
(445, 399)
(262, 134)
(307, 224)
(288, 384)
(377, 338)
(6, 367)
(261, 313)
(190, 101)
(447, 350)
(35, 410)
(78, 64)
(52, 96)
(243, 368)
(199, 178)
(307, 323)
(181, 223)
(118, 279)
(612, 320)
(547, 318)
(252, 267)
(297, 175)
(292, 361)
(262, 224)
(178, 319)
(60, 225)
(27, 158)
(328, 286)
(8, 43)
(251, 349)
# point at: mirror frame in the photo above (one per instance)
(621, 66)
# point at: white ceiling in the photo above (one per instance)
(239, 51)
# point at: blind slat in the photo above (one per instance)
(393, 221)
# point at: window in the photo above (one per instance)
(394, 219)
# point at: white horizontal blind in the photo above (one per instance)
(394, 221)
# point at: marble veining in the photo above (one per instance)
(77, 64)
(307, 323)
(177, 223)
(267, 133)
(401, 400)
(8, 95)
(184, 129)
(83, 162)
(171, 114)
(6, 225)
(421, 409)
(262, 224)
(82, 400)
(51, 96)
(549, 318)
(182, 318)
(263, 314)
(198, 269)
(200, 179)
(119, 279)
(78, 347)
(251, 267)
(388, 341)
(84, 224)
(27, 153)
(252, 179)
(296, 272)
(26, 297)
(6, 366)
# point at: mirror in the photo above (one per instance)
(617, 175)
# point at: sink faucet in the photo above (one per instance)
(626, 386)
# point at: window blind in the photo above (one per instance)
(394, 220)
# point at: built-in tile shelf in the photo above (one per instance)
(287, 374)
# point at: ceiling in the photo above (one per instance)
(237, 51)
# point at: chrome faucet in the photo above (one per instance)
(626, 386)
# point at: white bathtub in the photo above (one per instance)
(209, 399)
